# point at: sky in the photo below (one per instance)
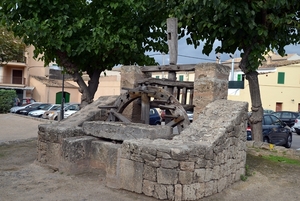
(187, 54)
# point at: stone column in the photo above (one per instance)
(211, 83)
(129, 77)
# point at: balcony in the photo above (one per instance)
(12, 80)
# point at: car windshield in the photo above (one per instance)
(56, 107)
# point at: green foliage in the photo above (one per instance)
(6, 100)
(247, 174)
(11, 47)
(88, 34)
(253, 27)
(282, 159)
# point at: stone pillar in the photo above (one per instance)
(211, 83)
(129, 77)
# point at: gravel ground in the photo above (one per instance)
(21, 179)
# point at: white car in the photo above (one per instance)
(296, 126)
(16, 108)
(69, 108)
(39, 113)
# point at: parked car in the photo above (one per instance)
(287, 117)
(154, 117)
(39, 113)
(274, 131)
(26, 101)
(26, 110)
(16, 108)
(296, 126)
(268, 111)
(69, 108)
(190, 114)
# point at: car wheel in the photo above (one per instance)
(288, 142)
(55, 118)
(298, 132)
(266, 140)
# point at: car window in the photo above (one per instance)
(276, 114)
(56, 107)
(286, 115)
(294, 115)
(267, 120)
(275, 121)
(151, 111)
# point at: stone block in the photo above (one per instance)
(160, 192)
(186, 177)
(187, 166)
(199, 175)
(149, 173)
(126, 131)
(76, 154)
(104, 157)
(148, 188)
(169, 164)
(131, 175)
(167, 176)
(178, 192)
(192, 191)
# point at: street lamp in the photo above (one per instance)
(62, 97)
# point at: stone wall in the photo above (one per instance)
(205, 158)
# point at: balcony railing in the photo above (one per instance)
(11, 80)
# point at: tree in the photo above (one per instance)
(10, 47)
(253, 27)
(87, 35)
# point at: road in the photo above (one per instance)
(296, 141)
(17, 127)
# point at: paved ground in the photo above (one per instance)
(16, 127)
(23, 180)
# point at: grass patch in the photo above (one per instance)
(282, 159)
(247, 174)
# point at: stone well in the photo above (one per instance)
(204, 159)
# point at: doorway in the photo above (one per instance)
(17, 76)
(58, 97)
(278, 107)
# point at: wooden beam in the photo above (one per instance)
(167, 82)
(172, 27)
(145, 108)
(119, 116)
(167, 68)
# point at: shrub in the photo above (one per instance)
(6, 100)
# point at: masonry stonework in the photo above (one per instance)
(205, 158)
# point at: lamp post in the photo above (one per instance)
(62, 97)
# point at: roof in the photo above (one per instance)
(53, 82)
(275, 60)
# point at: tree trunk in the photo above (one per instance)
(87, 91)
(256, 116)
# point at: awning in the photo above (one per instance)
(17, 87)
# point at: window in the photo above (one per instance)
(157, 77)
(267, 120)
(180, 77)
(280, 78)
(240, 77)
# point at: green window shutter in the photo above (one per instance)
(280, 78)
(239, 77)
(157, 76)
(180, 77)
